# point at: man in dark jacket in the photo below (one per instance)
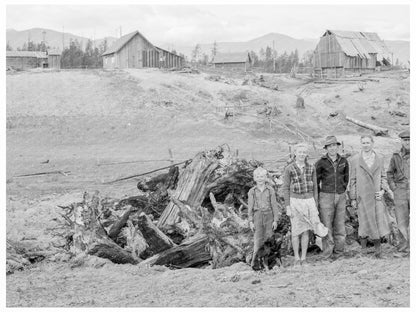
(398, 176)
(332, 172)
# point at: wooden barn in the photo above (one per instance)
(135, 51)
(54, 59)
(26, 59)
(237, 60)
(341, 53)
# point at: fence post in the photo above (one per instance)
(171, 156)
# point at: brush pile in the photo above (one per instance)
(192, 216)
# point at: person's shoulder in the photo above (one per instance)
(396, 154)
(343, 158)
(290, 166)
(354, 157)
(378, 155)
(251, 190)
(321, 160)
(269, 187)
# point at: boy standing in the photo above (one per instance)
(263, 211)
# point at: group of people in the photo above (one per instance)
(315, 197)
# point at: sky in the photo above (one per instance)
(190, 24)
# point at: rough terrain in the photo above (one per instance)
(80, 121)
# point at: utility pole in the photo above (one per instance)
(44, 41)
(274, 59)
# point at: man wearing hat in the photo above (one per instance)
(398, 176)
(332, 172)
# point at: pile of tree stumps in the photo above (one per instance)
(192, 216)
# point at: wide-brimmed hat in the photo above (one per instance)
(405, 134)
(331, 140)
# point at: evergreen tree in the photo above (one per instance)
(196, 53)
(254, 58)
(103, 46)
(72, 56)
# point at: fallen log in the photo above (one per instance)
(64, 173)
(378, 131)
(107, 249)
(189, 254)
(116, 227)
(89, 235)
(155, 238)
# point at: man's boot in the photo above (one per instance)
(377, 245)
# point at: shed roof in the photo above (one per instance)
(236, 57)
(160, 49)
(54, 52)
(363, 44)
(36, 54)
(116, 46)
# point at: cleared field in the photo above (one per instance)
(79, 121)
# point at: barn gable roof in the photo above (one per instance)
(236, 57)
(120, 43)
(355, 43)
(36, 54)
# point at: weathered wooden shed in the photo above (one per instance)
(341, 53)
(25, 59)
(236, 60)
(54, 59)
(135, 51)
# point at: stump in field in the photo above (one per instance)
(214, 171)
(300, 102)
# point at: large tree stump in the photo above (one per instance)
(192, 185)
(215, 170)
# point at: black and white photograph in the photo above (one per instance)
(207, 154)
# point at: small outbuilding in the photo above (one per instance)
(26, 59)
(237, 60)
(54, 59)
(341, 53)
(135, 51)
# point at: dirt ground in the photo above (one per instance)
(82, 121)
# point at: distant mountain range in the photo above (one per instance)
(282, 43)
(54, 39)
